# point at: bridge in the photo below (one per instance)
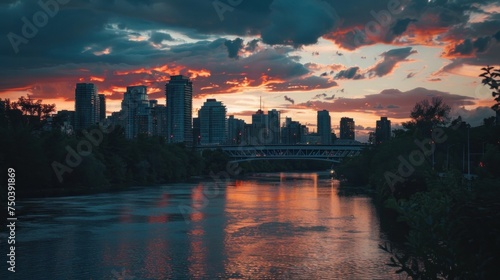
(330, 153)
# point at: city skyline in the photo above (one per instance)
(212, 126)
(363, 59)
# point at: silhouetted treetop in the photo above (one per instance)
(490, 76)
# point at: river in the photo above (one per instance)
(281, 226)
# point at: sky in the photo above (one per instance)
(362, 59)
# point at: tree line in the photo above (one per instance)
(451, 220)
(30, 146)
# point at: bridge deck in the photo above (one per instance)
(332, 153)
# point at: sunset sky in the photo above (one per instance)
(363, 59)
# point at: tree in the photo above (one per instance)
(426, 115)
(34, 108)
(489, 78)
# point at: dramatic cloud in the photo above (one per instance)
(350, 73)
(159, 37)
(401, 25)
(391, 102)
(234, 46)
(266, 46)
(390, 60)
(297, 22)
(474, 117)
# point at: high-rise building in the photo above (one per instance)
(179, 92)
(102, 107)
(86, 106)
(273, 118)
(235, 131)
(158, 119)
(293, 132)
(212, 117)
(324, 127)
(383, 130)
(136, 112)
(347, 129)
(260, 130)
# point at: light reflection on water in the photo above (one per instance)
(278, 226)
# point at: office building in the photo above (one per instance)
(274, 123)
(179, 93)
(324, 127)
(102, 107)
(382, 130)
(158, 119)
(293, 132)
(235, 131)
(260, 130)
(212, 117)
(86, 106)
(347, 129)
(136, 112)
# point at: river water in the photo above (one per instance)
(282, 226)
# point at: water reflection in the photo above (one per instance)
(278, 226)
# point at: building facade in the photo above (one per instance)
(179, 93)
(136, 112)
(235, 131)
(324, 123)
(293, 132)
(382, 130)
(212, 117)
(260, 130)
(274, 126)
(347, 129)
(102, 107)
(86, 106)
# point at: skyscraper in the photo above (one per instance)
(235, 130)
(158, 118)
(136, 112)
(293, 132)
(179, 92)
(347, 128)
(273, 118)
(324, 127)
(86, 106)
(383, 130)
(260, 130)
(102, 107)
(212, 117)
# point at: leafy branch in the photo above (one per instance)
(490, 77)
